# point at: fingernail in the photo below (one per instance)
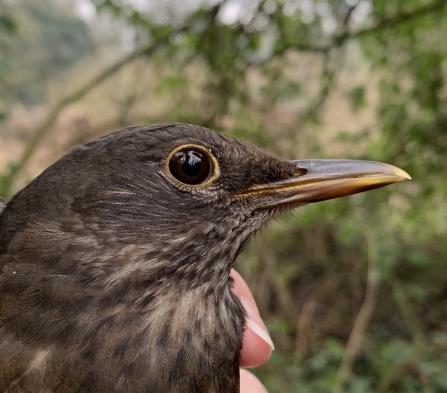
(255, 323)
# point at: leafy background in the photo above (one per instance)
(354, 290)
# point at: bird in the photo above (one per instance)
(115, 261)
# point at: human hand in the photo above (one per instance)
(257, 344)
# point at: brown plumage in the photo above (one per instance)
(114, 262)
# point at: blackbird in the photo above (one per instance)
(115, 261)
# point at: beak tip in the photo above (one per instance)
(401, 173)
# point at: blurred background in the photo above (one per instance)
(353, 291)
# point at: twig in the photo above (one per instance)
(81, 92)
(383, 24)
(363, 317)
(347, 18)
(389, 23)
(304, 321)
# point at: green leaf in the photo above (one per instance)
(357, 98)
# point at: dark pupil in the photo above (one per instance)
(190, 166)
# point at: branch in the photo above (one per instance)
(54, 113)
(383, 24)
(363, 317)
(304, 321)
(391, 22)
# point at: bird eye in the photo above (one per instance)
(191, 166)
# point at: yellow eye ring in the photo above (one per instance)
(192, 166)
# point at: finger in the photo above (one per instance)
(257, 344)
(251, 384)
(241, 288)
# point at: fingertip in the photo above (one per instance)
(241, 289)
(251, 384)
(257, 345)
(255, 350)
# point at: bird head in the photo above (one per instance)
(184, 197)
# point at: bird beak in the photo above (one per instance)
(319, 180)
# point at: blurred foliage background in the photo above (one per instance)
(353, 291)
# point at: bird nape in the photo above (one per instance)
(114, 262)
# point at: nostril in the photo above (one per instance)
(300, 171)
